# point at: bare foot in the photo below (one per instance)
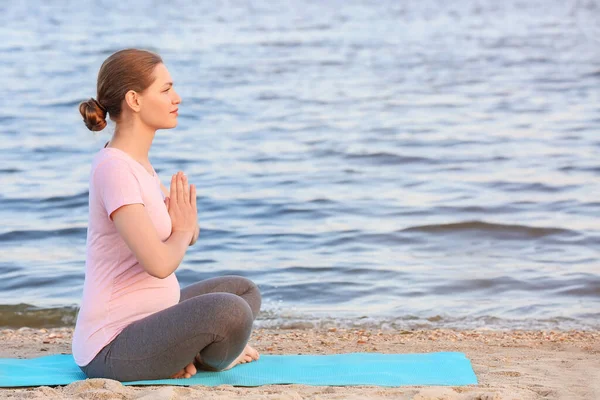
(187, 372)
(249, 354)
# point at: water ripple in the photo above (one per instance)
(361, 176)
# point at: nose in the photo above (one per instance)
(177, 98)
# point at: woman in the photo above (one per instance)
(134, 322)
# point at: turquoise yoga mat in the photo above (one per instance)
(350, 369)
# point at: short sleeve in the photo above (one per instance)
(117, 185)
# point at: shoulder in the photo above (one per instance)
(108, 159)
(112, 166)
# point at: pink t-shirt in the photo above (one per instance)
(117, 290)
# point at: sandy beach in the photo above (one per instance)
(508, 364)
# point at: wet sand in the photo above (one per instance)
(509, 365)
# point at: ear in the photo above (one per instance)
(133, 100)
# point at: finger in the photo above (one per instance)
(174, 187)
(193, 197)
(186, 190)
(179, 188)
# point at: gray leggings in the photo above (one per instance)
(214, 317)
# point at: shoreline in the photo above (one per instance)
(509, 364)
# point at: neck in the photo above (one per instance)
(134, 138)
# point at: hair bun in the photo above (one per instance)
(94, 114)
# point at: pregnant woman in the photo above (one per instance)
(134, 321)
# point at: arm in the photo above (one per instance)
(159, 259)
(197, 232)
(120, 194)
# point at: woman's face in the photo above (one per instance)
(159, 101)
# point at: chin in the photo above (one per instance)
(169, 126)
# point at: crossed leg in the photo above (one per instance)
(210, 325)
(230, 284)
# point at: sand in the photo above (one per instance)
(509, 365)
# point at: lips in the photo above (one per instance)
(175, 111)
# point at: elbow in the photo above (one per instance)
(159, 263)
(156, 268)
(159, 275)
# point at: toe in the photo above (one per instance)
(191, 369)
(177, 375)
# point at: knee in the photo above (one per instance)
(253, 287)
(256, 300)
(237, 312)
(243, 285)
